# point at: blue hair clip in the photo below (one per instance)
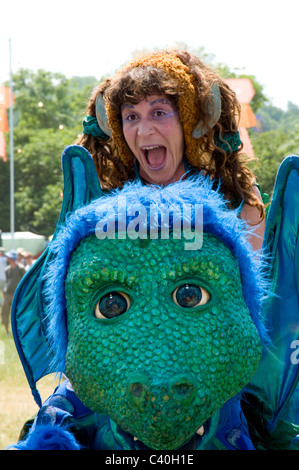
(229, 142)
(91, 127)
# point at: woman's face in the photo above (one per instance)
(155, 136)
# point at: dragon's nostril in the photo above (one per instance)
(137, 389)
(183, 389)
(137, 392)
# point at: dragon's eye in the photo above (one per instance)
(190, 295)
(112, 305)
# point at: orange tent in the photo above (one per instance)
(5, 96)
(3, 119)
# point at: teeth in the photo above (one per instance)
(151, 147)
(200, 431)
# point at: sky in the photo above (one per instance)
(96, 37)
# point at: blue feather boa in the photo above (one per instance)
(48, 437)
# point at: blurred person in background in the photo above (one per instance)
(13, 274)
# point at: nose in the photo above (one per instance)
(179, 388)
(182, 388)
(145, 128)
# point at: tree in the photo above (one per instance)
(4, 196)
(48, 115)
(39, 179)
(271, 148)
(276, 137)
(42, 100)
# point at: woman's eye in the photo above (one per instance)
(190, 295)
(112, 305)
(160, 113)
(130, 117)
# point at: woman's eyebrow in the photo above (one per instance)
(127, 105)
(160, 100)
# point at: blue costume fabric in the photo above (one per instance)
(99, 432)
(271, 396)
(276, 381)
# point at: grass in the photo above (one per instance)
(16, 401)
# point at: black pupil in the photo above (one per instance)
(188, 295)
(112, 305)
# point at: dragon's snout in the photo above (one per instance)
(179, 390)
(163, 407)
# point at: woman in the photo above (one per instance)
(166, 114)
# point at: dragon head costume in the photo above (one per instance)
(158, 333)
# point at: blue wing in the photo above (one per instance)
(28, 319)
(278, 373)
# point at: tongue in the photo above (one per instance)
(155, 157)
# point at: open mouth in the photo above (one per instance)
(196, 442)
(155, 156)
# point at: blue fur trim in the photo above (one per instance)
(217, 220)
(48, 437)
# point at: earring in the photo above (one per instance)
(101, 115)
(214, 111)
